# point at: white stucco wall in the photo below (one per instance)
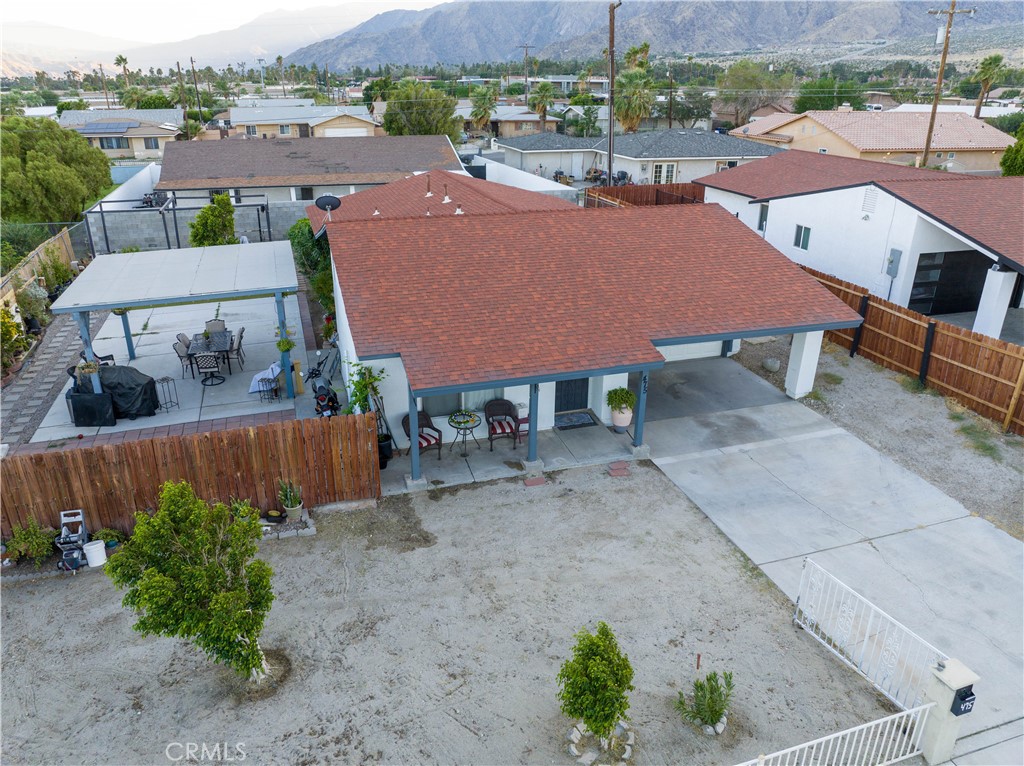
(546, 163)
(686, 169)
(127, 195)
(500, 173)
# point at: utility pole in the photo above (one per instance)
(184, 101)
(526, 72)
(671, 96)
(195, 83)
(103, 79)
(611, 86)
(262, 63)
(950, 12)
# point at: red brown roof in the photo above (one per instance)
(487, 299)
(408, 199)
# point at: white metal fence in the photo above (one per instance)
(887, 740)
(892, 657)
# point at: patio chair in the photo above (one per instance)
(105, 360)
(209, 366)
(501, 415)
(429, 436)
(235, 352)
(216, 325)
(184, 340)
(186, 360)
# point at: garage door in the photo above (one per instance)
(341, 132)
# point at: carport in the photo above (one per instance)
(123, 281)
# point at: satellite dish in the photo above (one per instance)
(328, 202)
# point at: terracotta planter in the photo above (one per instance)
(621, 419)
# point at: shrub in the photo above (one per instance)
(54, 271)
(108, 535)
(33, 542)
(595, 681)
(289, 495)
(214, 224)
(32, 301)
(621, 399)
(12, 339)
(710, 700)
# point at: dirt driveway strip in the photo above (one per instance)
(430, 630)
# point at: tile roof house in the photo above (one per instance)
(938, 243)
(660, 156)
(302, 122)
(125, 133)
(959, 142)
(437, 193)
(416, 298)
(508, 121)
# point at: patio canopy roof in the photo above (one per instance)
(190, 275)
(486, 301)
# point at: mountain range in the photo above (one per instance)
(466, 32)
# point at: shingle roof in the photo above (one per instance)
(655, 144)
(407, 199)
(71, 118)
(302, 161)
(426, 289)
(793, 172)
(989, 211)
(312, 115)
(764, 126)
(897, 131)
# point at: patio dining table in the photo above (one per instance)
(217, 343)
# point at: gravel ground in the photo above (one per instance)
(963, 454)
(429, 629)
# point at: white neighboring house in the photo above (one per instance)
(658, 157)
(302, 122)
(938, 243)
(987, 112)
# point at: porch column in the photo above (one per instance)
(803, 363)
(414, 430)
(641, 409)
(531, 438)
(128, 335)
(286, 356)
(82, 317)
(995, 300)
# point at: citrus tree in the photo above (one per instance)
(214, 224)
(595, 680)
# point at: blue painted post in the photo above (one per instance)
(82, 317)
(531, 439)
(128, 335)
(641, 409)
(286, 356)
(414, 429)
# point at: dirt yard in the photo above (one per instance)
(429, 630)
(963, 454)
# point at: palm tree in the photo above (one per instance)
(636, 56)
(122, 62)
(280, 68)
(484, 100)
(989, 71)
(583, 80)
(634, 98)
(542, 98)
(130, 97)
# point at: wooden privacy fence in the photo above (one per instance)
(982, 373)
(332, 459)
(647, 194)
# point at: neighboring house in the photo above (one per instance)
(664, 156)
(41, 111)
(959, 142)
(569, 83)
(301, 122)
(126, 133)
(987, 112)
(264, 103)
(293, 170)
(509, 121)
(938, 243)
(418, 297)
(879, 97)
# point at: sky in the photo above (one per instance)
(158, 23)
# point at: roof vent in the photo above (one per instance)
(428, 212)
(429, 193)
(458, 210)
(376, 211)
(446, 199)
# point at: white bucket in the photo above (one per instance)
(96, 553)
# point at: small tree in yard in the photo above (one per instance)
(215, 224)
(190, 572)
(595, 681)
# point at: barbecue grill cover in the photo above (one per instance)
(134, 392)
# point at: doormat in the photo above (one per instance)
(567, 420)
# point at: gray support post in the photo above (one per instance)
(128, 335)
(414, 430)
(88, 230)
(863, 311)
(926, 354)
(286, 356)
(641, 409)
(82, 317)
(103, 220)
(531, 439)
(167, 234)
(174, 217)
(270, 233)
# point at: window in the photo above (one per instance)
(215, 192)
(238, 196)
(762, 218)
(305, 192)
(284, 130)
(721, 165)
(802, 238)
(664, 173)
(151, 143)
(445, 404)
(822, 151)
(950, 155)
(938, 155)
(250, 130)
(119, 142)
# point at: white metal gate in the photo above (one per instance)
(894, 659)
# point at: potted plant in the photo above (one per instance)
(622, 401)
(710, 705)
(285, 344)
(290, 497)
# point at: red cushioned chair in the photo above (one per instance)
(429, 436)
(501, 415)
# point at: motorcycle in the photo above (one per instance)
(325, 401)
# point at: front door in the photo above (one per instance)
(303, 130)
(571, 394)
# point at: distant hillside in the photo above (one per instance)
(492, 31)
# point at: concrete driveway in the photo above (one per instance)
(784, 483)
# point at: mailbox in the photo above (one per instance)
(963, 701)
